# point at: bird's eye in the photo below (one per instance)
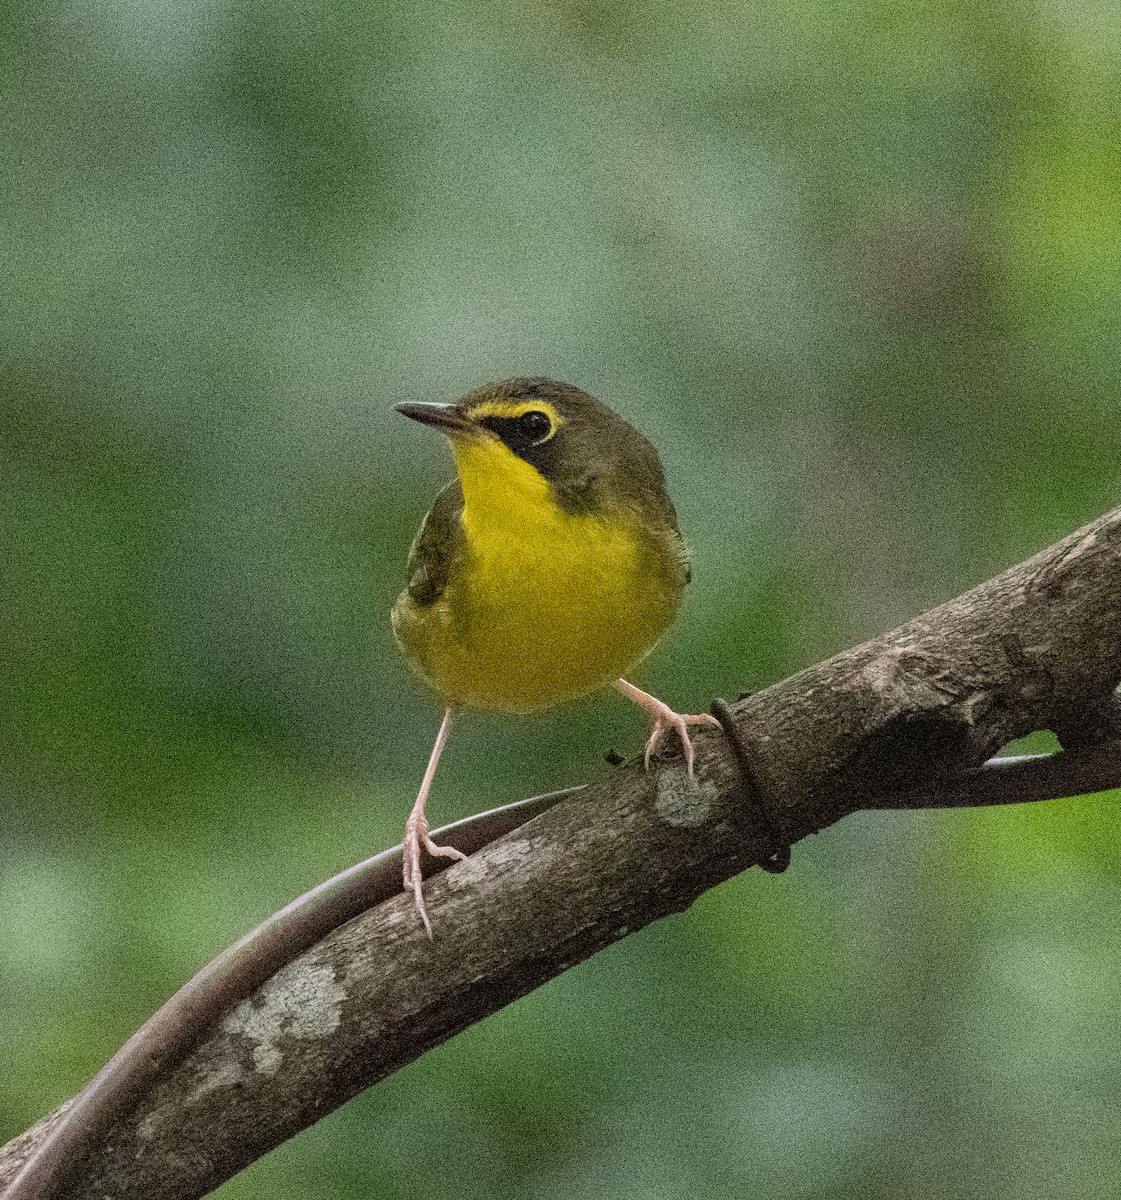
(534, 426)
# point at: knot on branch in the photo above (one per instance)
(1095, 724)
(920, 715)
(911, 746)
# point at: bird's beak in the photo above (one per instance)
(445, 417)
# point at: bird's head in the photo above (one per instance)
(542, 437)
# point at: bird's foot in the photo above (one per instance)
(663, 719)
(416, 836)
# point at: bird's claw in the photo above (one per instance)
(416, 836)
(663, 719)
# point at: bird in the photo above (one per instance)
(545, 571)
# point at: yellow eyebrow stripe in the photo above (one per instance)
(515, 408)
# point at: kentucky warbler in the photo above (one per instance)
(548, 569)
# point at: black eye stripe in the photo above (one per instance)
(521, 432)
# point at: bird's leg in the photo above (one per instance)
(663, 718)
(416, 828)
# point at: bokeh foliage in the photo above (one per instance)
(855, 268)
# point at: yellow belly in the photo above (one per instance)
(542, 610)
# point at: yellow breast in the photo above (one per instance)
(542, 605)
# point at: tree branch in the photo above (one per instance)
(901, 721)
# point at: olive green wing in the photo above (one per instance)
(435, 547)
(681, 553)
(672, 540)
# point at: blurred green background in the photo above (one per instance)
(856, 270)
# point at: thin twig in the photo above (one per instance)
(173, 1030)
